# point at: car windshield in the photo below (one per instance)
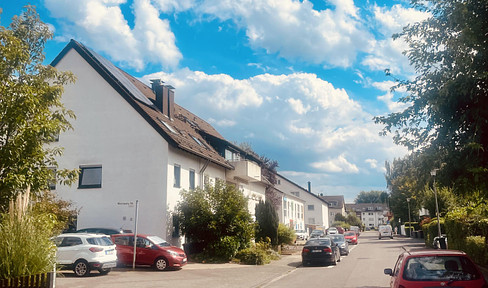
(158, 241)
(437, 268)
(318, 242)
(100, 241)
(350, 233)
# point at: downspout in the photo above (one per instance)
(202, 170)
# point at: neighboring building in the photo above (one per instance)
(293, 211)
(371, 214)
(336, 206)
(316, 210)
(132, 143)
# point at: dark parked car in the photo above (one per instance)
(150, 250)
(317, 233)
(321, 251)
(106, 231)
(435, 268)
(340, 241)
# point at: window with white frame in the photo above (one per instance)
(90, 177)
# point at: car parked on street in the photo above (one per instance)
(150, 250)
(317, 234)
(355, 229)
(320, 250)
(435, 268)
(83, 253)
(301, 234)
(332, 231)
(341, 242)
(385, 231)
(351, 237)
(106, 231)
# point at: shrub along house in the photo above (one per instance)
(133, 142)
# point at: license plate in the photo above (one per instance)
(109, 265)
(109, 252)
(316, 251)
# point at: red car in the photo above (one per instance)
(351, 237)
(150, 250)
(435, 268)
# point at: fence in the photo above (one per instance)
(45, 280)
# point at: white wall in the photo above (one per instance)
(320, 210)
(134, 157)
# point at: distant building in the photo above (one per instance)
(336, 206)
(371, 214)
(315, 209)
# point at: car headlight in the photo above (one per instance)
(173, 253)
(343, 245)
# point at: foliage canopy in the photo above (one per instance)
(31, 112)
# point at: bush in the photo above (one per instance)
(267, 222)
(286, 235)
(259, 254)
(477, 249)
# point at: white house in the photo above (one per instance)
(371, 214)
(336, 206)
(315, 209)
(132, 143)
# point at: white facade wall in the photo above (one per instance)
(137, 163)
(316, 211)
(373, 218)
(293, 213)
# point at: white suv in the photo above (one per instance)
(85, 252)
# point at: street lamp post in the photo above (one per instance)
(433, 174)
(409, 220)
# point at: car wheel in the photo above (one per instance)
(104, 271)
(161, 264)
(81, 268)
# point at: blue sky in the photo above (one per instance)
(300, 81)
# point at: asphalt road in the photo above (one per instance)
(362, 268)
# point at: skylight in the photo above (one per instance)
(168, 126)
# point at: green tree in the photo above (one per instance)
(216, 218)
(31, 112)
(267, 222)
(446, 118)
(340, 218)
(353, 220)
(371, 197)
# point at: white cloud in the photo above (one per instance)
(222, 123)
(294, 30)
(101, 24)
(337, 165)
(297, 106)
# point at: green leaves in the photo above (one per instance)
(31, 111)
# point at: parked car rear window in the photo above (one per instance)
(318, 242)
(100, 241)
(435, 268)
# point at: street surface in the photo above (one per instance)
(362, 268)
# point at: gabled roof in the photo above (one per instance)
(184, 131)
(364, 207)
(303, 189)
(339, 199)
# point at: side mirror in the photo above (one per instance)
(388, 271)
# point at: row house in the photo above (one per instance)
(315, 211)
(371, 214)
(136, 147)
